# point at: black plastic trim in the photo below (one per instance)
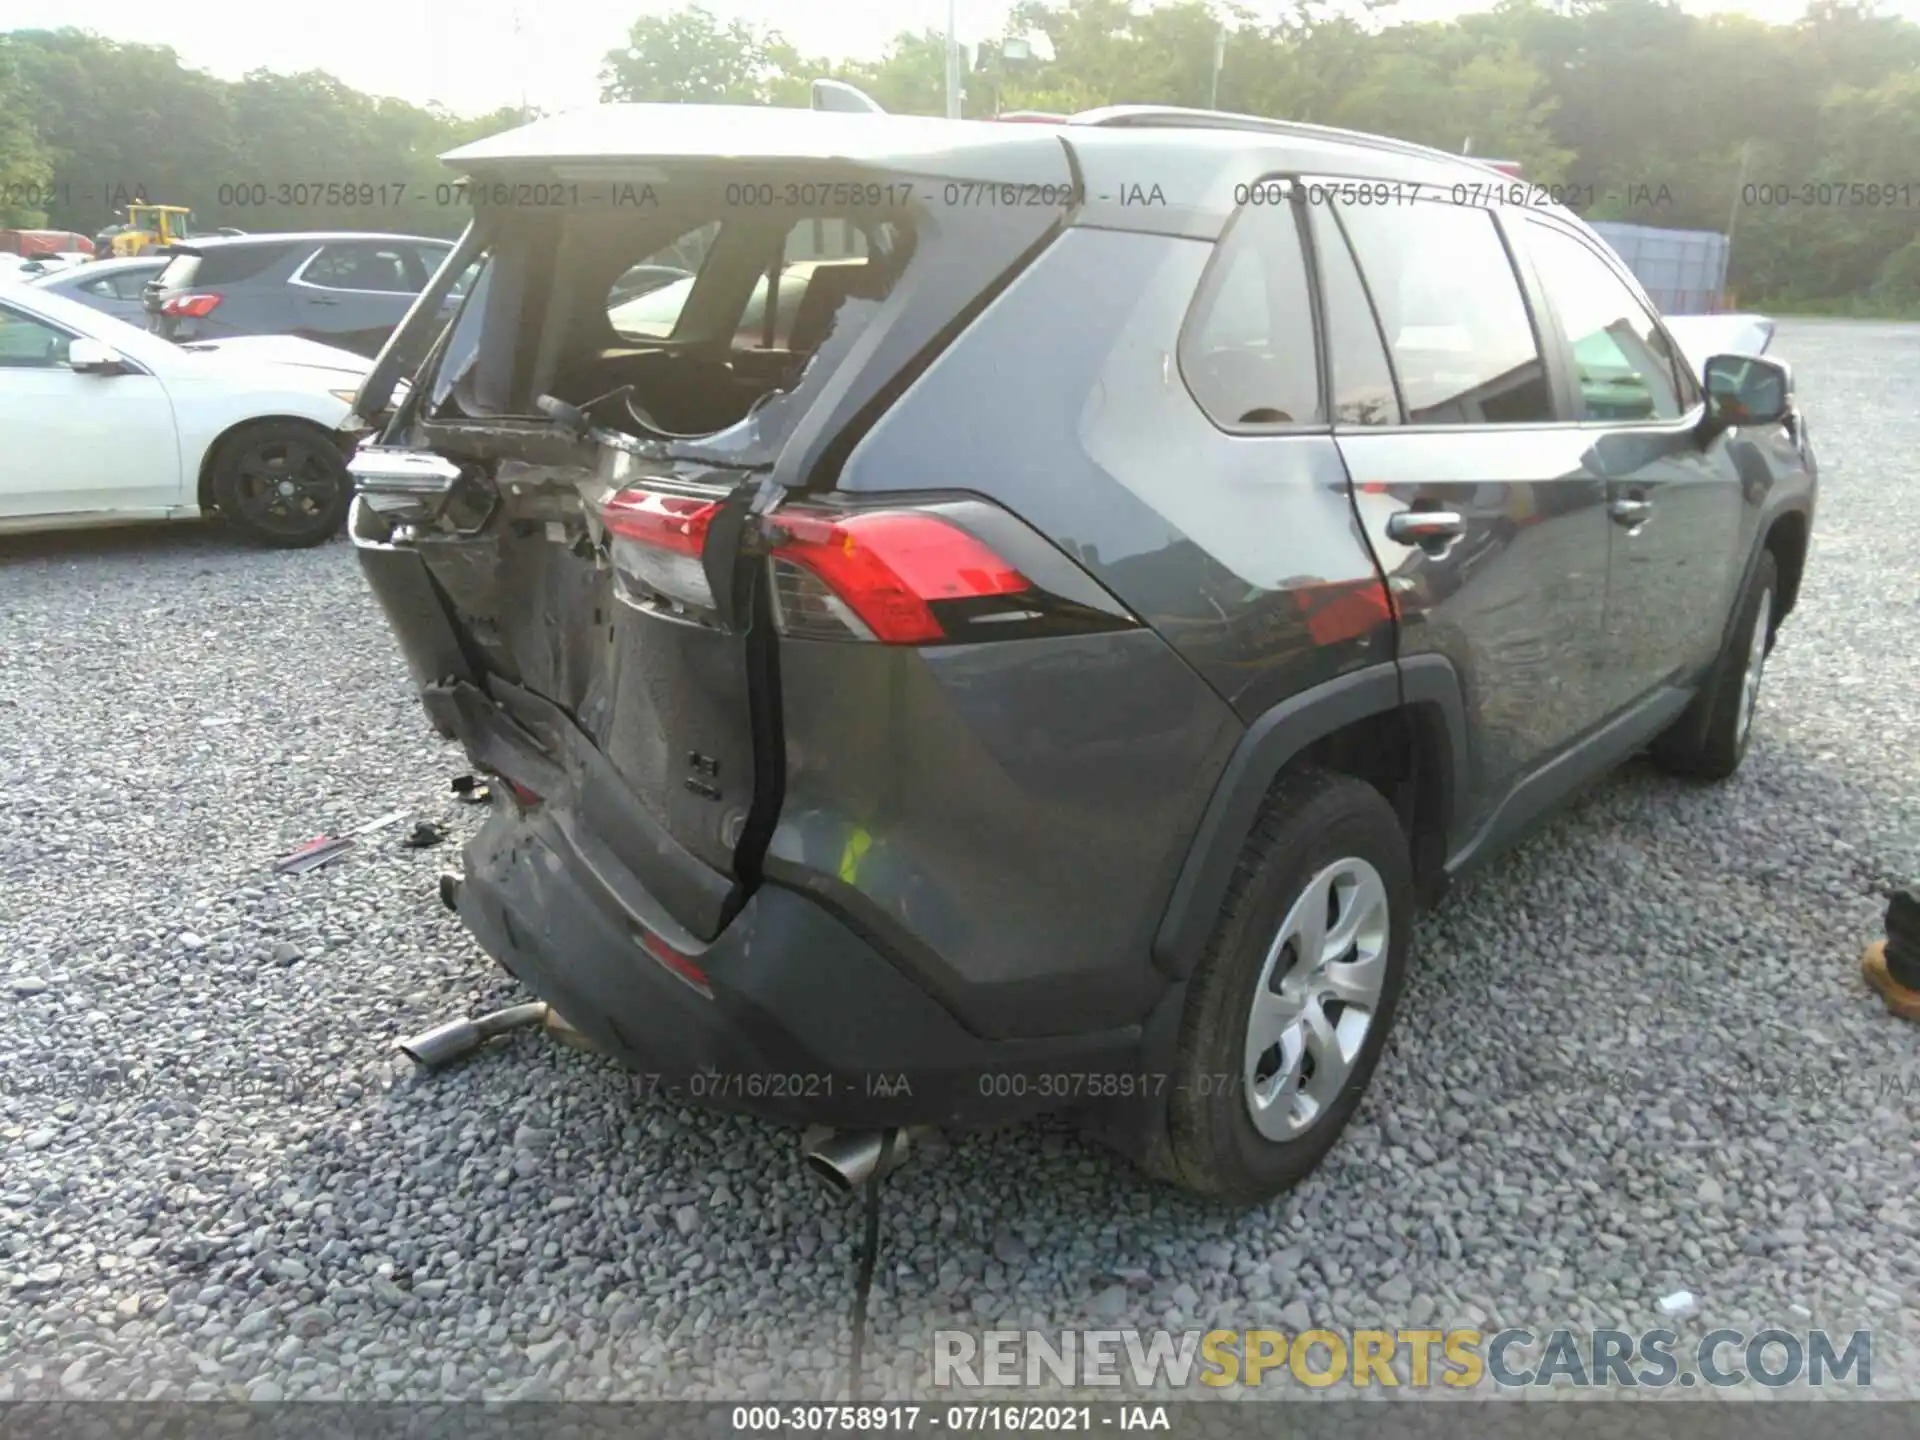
(1266, 748)
(806, 1021)
(1571, 770)
(1697, 721)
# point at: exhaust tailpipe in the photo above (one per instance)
(439, 1047)
(844, 1160)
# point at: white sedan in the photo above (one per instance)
(102, 423)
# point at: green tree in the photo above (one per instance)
(1658, 114)
(119, 121)
(26, 169)
(910, 78)
(689, 55)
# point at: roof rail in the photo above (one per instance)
(1180, 117)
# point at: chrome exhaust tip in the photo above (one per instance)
(439, 1047)
(844, 1160)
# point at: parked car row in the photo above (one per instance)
(208, 379)
(45, 262)
(346, 289)
(105, 422)
(113, 287)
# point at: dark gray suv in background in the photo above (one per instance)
(1044, 661)
(342, 289)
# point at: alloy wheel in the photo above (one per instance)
(286, 487)
(1315, 1002)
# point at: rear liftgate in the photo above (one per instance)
(615, 603)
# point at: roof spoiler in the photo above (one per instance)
(838, 95)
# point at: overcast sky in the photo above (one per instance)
(467, 55)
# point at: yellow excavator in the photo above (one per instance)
(149, 228)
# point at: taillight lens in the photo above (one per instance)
(659, 539)
(882, 575)
(190, 307)
(893, 577)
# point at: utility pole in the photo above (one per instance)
(1219, 60)
(517, 50)
(1733, 220)
(953, 66)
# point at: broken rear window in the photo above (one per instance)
(666, 321)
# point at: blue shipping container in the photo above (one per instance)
(1684, 272)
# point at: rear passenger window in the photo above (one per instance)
(1453, 314)
(227, 264)
(1625, 369)
(1248, 350)
(1363, 392)
(361, 266)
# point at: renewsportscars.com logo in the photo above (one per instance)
(1416, 1359)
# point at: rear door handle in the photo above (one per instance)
(1630, 512)
(321, 300)
(1424, 527)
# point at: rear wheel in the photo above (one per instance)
(1288, 1010)
(282, 483)
(1710, 740)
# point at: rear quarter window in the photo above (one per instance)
(230, 265)
(1247, 349)
(179, 272)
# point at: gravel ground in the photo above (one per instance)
(1636, 1057)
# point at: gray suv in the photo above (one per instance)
(342, 289)
(1041, 652)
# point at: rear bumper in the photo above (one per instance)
(807, 1022)
(815, 1016)
(184, 330)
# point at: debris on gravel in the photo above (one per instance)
(1635, 1057)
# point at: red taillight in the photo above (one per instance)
(659, 540)
(888, 568)
(670, 522)
(190, 307)
(872, 575)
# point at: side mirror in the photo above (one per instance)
(1747, 390)
(91, 357)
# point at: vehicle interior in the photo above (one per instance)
(675, 325)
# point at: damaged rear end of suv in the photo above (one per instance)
(725, 699)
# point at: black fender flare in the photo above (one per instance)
(1692, 724)
(1425, 685)
(1799, 504)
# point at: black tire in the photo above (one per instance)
(253, 465)
(1710, 740)
(1314, 822)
